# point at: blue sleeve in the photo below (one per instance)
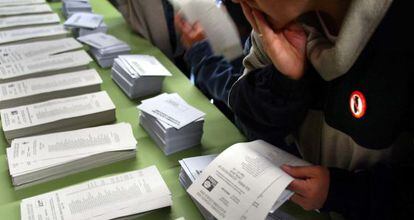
(214, 75)
(268, 105)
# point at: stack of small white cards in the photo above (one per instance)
(62, 114)
(173, 124)
(79, 32)
(139, 75)
(120, 196)
(32, 90)
(37, 159)
(105, 48)
(70, 7)
(83, 24)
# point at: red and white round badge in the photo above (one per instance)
(357, 104)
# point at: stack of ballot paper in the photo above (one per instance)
(173, 124)
(79, 32)
(28, 34)
(242, 175)
(121, 196)
(10, 54)
(84, 20)
(22, 9)
(32, 90)
(70, 7)
(20, 2)
(42, 158)
(58, 115)
(28, 20)
(45, 65)
(105, 48)
(83, 24)
(139, 75)
(191, 169)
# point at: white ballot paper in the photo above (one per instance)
(11, 54)
(25, 9)
(171, 109)
(31, 33)
(41, 158)
(45, 88)
(26, 20)
(122, 195)
(30, 152)
(244, 182)
(220, 29)
(50, 115)
(143, 65)
(20, 2)
(84, 20)
(100, 40)
(40, 66)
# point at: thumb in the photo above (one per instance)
(301, 172)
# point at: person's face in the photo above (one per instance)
(279, 12)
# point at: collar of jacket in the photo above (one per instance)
(333, 60)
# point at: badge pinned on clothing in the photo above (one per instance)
(357, 104)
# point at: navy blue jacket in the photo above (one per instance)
(270, 106)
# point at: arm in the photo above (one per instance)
(269, 105)
(381, 192)
(214, 75)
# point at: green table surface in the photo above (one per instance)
(219, 133)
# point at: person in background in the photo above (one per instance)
(338, 75)
(212, 74)
(154, 21)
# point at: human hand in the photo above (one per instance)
(311, 185)
(286, 47)
(190, 34)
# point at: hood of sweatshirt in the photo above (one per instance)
(334, 59)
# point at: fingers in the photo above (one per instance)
(181, 24)
(298, 186)
(302, 172)
(298, 199)
(249, 15)
(197, 28)
(296, 27)
(262, 25)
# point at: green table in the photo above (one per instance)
(219, 133)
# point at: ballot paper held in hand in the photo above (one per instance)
(245, 181)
